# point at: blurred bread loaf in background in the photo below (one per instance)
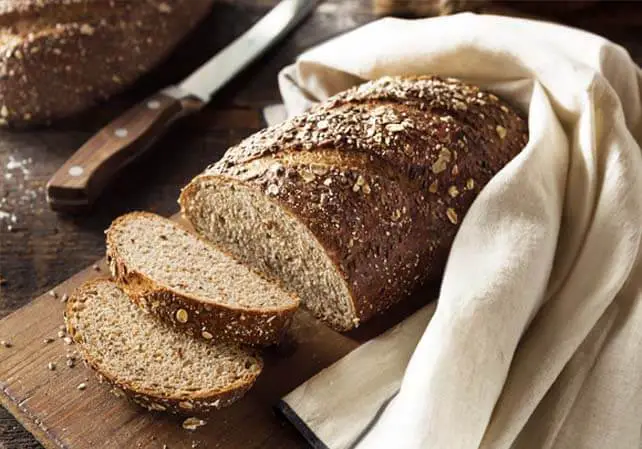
(58, 57)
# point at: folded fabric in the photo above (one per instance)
(536, 341)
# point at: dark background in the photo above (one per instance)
(39, 249)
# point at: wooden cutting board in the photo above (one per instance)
(50, 405)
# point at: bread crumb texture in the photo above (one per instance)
(159, 368)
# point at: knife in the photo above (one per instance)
(81, 179)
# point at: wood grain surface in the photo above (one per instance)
(44, 394)
(39, 248)
(50, 405)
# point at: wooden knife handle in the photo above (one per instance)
(83, 177)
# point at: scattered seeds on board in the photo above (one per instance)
(96, 267)
(82, 386)
(118, 392)
(67, 340)
(5, 343)
(64, 297)
(51, 366)
(61, 334)
(193, 423)
(71, 363)
(53, 293)
(48, 340)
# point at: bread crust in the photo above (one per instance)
(205, 320)
(60, 57)
(198, 403)
(405, 156)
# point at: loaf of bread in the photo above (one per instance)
(58, 57)
(192, 286)
(155, 366)
(356, 203)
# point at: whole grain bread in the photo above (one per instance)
(157, 367)
(58, 57)
(192, 286)
(356, 203)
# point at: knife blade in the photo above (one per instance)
(79, 181)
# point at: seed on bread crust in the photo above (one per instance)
(206, 335)
(182, 316)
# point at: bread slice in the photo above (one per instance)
(156, 366)
(191, 285)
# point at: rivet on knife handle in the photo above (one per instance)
(83, 177)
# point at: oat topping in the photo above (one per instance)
(452, 215)
(308, 176)
(182, 316)
(348, 122)
(272, 189)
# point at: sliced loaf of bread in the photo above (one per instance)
(356, 203)
(191, 285)
(156, 366)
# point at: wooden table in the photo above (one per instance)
(41, 248)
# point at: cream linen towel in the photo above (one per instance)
(536, 341)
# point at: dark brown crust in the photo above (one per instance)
(424, 147)
(198, 404)
(222, 322)
(66, 56)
